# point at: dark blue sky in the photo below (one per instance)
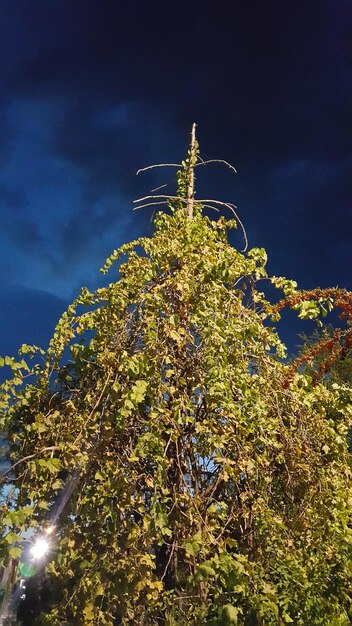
(91, 90)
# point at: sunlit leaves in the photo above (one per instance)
(210, 491)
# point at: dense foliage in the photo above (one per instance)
(211, 479)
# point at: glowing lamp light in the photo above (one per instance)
(40, 548)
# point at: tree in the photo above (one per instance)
(336, 371)
(191, 474)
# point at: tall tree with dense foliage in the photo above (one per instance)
(193, 476)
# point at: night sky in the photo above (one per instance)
(92, 90)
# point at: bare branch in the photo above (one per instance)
(149, 167)
(157, 188)
(158, 197)
(169, 561)
(229, 205)
(27, 458)
(218, 202)
(232, 208)
(142, 206)
(242, 227)
(217, 161)
(209, 206)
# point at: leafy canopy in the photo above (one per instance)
(211, 480)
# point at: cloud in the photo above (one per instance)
(251, 81)
(27, 316)
(67, 187)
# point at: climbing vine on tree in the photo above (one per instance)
(211, 479)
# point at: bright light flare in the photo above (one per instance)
(40, 548)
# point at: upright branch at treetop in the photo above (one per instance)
(192, 474)
(190, 173)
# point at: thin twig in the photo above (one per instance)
(217, 161)
(218, 202)
(157, 188)
(209, 206)
(242, 226)
(210, 595)
(96, 404)
(169, 561)
(158, 197)
(232, 208)
(142, 206)
(149, 167)
(27, 458)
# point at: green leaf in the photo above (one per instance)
(308, 310)
(138, 391)
(205, 571)
(192, 547)
(15, 552)
(228, 615)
